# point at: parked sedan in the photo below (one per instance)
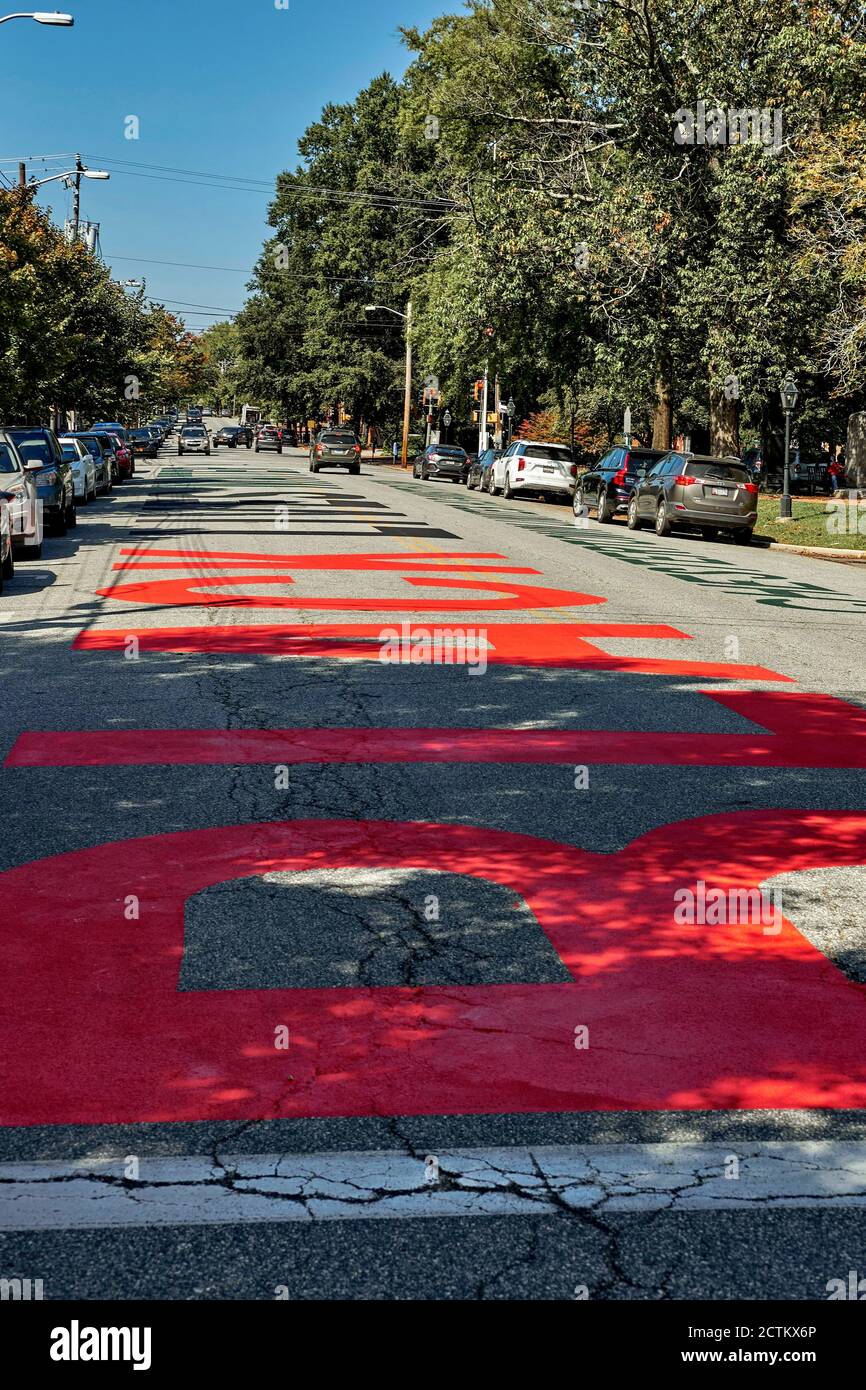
(544, 469)
(194, 439)
(696, 490)
(24, 513)
(335, 448)
(83, 468)
(480, 466)
(101, 451)
(145, 443)
(609, 485)
(233, 436)
(447, 462)
(52, 474)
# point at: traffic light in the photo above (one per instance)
(478, 390)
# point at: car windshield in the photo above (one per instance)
(193, 434)
(35, 450)
(141, 434)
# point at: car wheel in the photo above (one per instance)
(507, 489)
(356, 469)
(578, 503)
(663, 525)
(279, 448)
(603, 508)
(470, 485)
(71, 516)
(8, 568)
(743, 536)
(491, 486)
(180, 452)
(314, 468)
(257, 449)
(633, 519)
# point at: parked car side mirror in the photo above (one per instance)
(33, 465)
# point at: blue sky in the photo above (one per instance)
(220, 86)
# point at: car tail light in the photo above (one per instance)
(619, 478)
(750, 487)
(684, 479)
(319, 450)
(357, 448)
(573, 470)
(521, 464)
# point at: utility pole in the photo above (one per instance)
(22, 175)
(482, 424)
(76, 197)
(407, 400)
(497, 410)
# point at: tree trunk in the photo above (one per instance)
(724, 424)
(663, 415)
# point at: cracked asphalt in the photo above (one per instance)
(228, 1192)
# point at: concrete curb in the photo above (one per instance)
(819, 553)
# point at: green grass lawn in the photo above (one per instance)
(834, 525)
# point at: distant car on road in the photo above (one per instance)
(335, 448)
(696, 491)
(22, 511)
(269, 437)
(194, 439)
(83, 466)
(55, 487)
(447, 462)
(233, 436)
(145, 443)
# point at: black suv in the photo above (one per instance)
(446, 461)
(233, 436)
(608, 486)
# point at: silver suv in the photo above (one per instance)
(695, 490)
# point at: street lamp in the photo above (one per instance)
(788, 393)
(42, 17)
(70, 174)
(510, 410)
(407, 395)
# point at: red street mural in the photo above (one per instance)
(797, 737)
(96, 1029)
(684, 1017)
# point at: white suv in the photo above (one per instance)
(533, 466)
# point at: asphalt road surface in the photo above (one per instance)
(409, 894)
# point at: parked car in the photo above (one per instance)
(124, 453)
(163, 424)
(695, 490)
(534, 466)
(21, 506)
(335, 448)
(55, 488)
(194, 439)
(233, 436)
(480, 466)
(102, 452)
(448, 462)
(83, 466)
(269, 437)
(145, 443)
(608, 485)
